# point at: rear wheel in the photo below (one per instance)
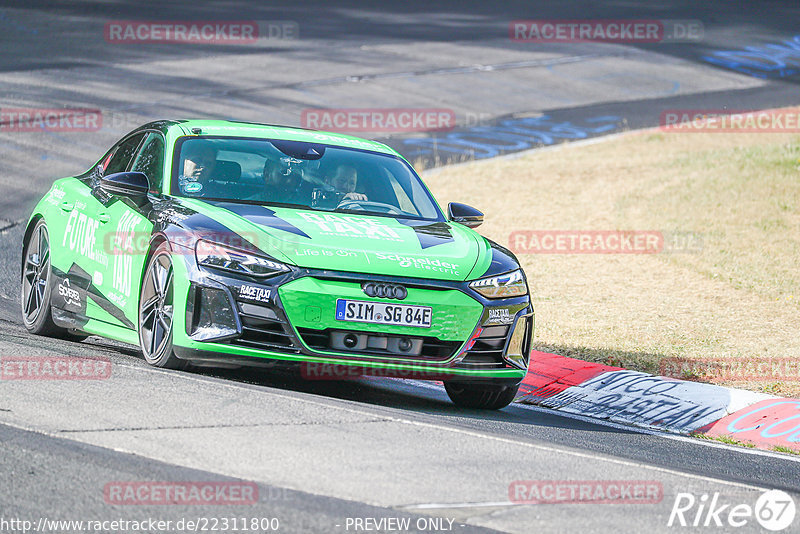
(156, 310)
(480, 396)
(36, 310)
(36, 272)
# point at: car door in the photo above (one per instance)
(126, 236)
(81, 258)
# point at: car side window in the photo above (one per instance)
(150, 160)
(121, 158)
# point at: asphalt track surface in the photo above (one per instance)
(323, 452)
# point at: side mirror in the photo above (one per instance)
(132, 185)
(463, 214)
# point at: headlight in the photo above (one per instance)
(236, 261)
(505, 285)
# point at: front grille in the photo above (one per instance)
(263, 329)
(488, 348)
(433, 349)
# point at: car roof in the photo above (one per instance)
(230, 128)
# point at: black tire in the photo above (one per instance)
(36, 287)
(156, 310)
(479, 396)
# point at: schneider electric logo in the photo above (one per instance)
(774, 511)
(71, 296)
(420, 263)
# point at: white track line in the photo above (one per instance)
(509, 441)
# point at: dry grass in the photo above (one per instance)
(739, 297)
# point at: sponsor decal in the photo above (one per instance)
(71, 296)
(122, 251)
(81, 280)
(423, 263)
(774, 510)
(351, 226)
(325, 252)
(56, 195)
(171, 215)
(193, 187)
(180, 493)
(258, 294)
(80, 235)
(499, 316)
(97, 278)
(117, 299)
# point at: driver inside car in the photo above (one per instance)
(345, 181)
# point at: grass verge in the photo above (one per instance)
(732, 295)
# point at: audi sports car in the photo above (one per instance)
(222, 243)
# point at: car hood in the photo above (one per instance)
(354, 243)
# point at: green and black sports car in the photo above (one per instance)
(230, 244)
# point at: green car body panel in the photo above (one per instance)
(100, 249)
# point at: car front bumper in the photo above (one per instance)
(291, 318)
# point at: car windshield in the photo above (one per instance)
(299, 174)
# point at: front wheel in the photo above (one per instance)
(480, 396)
(156, 311)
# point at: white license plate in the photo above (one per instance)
(360, 311)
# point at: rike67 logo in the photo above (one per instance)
(774, 511)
